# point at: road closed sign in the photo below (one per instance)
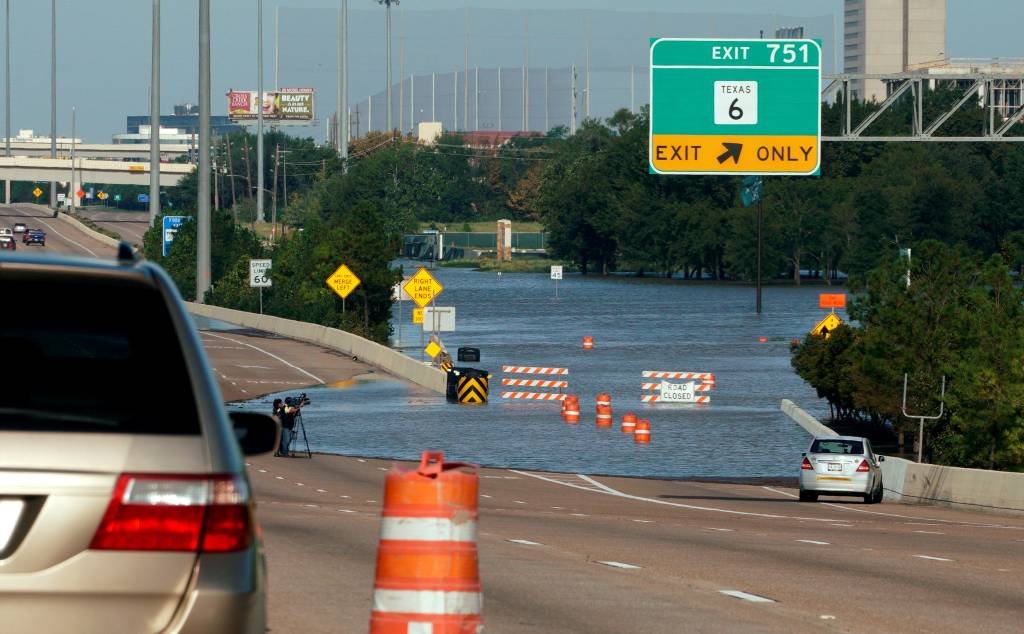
(678, 392)
(259, 273)
(735, 106)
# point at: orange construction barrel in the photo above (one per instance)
(572, 409)
(604, 416)
(642, 433)
(628, 422)
(605, 399)
(588, 343)
(427, 576)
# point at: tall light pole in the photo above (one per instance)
(53, 96)
(343, 83)
(203, 207)
(154, 119)
(71, 188)
(387, 55)
(7, 95)
(260, 213)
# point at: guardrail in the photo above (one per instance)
(914, 483)
(365, 350)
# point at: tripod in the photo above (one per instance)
(295, 432)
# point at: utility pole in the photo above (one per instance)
(401, 73)
(260, 211)
(632, 89)
(455, 100)
(433, 96)
(572, 100)
(547, 88)
(203, 208)
(231, 176)
(273, 221)
(343, 113)
(465, 87)
(586, 95)
(526, 72)
(387, 57)
(53, 96)
(216, 185)
(248, 169)
(499, 99)
(476, 99)
(412, 103)
(7, 95)
(71, 187)
(154, 119)
(277, 46)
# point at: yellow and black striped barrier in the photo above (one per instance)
(472, 390)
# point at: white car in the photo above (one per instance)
(19, 227)
(6, 231)
(841, 465)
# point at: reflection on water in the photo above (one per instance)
(636, 325)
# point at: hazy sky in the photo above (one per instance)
(103, 47)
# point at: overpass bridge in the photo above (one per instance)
(21, 168)
(133, 151)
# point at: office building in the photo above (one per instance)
(185, 119)
(891, 36)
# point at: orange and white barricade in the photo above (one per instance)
(683, 387)
(556, 383)
(427, 576)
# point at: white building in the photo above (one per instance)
(171, 136)
(891, 36)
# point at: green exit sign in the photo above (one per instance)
(735, 106)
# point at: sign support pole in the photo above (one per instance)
(760, 248)
(261, 300)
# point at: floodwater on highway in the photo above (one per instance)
(515, 319)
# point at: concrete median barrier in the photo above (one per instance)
(375, 354)
(92, 233)
(914, 483)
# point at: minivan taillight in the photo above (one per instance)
(806, 464)
(180, 512)
(863, 467)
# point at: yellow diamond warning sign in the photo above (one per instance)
(827, 325)
(343, 281)
(422, 287)
(37, 192)
(432, 349)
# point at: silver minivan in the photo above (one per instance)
(124, 502)
(841, 465)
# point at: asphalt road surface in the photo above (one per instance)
(130, 225)
(61, 237)
(573, 553)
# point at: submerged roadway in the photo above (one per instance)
(563, 552)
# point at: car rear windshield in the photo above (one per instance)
(91, 354)
(838, 446)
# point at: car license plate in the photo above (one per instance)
(835, 466)
(10, 511)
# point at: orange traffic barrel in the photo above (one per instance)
(604, 399)
(642, 433)
(604, 416)
(588, 343)
(427, 575)
(628, 422)
(572, 409)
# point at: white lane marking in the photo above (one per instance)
(519, 502)
(77, 244)
(244, 391)
(722, 530)
(558, 508)
(371, 501)
(932, 558)
(344, 496)
(382, 468)
(299, 484)
(619, 564)
(262, 470)
(270, 354)
(813, 541)
(930, 532)
(360, 460)
(644, 521)
(279, 477)
(524, 542)
(315, 506)
(321, 491)
(248, 464)
(827, 617)
(921, 524)
(774, 490)
(746, 596)
(579, 514)
(610, 491)
(840, 526)
(346, 511)
(1002, 570)
(254, 367)
(484, 495)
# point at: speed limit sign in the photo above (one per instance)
(258, 273)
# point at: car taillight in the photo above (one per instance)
(806, 464)
(200, 513)
(863, 466)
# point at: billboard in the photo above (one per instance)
(286, 104)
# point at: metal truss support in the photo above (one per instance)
(889, 101)
(942, 118)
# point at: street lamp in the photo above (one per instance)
(387, 55)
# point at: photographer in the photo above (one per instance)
(287, 413)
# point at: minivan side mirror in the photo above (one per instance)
(256, 433)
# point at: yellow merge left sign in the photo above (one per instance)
(343, 281)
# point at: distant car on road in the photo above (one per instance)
(841, 465)
(19, 227)
(124, 501)
(6, 231)
(34, 236)
(7, 242)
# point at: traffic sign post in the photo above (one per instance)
(258, 277)
(343, 281)
(422, 288)
(735, 106)
(170, 227)
(37, 192)
(556, 274)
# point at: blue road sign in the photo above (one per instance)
(170, 227)
(143, 198)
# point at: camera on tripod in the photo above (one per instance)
(297, 401)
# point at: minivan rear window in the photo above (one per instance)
(838, 446)
(91, 354)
